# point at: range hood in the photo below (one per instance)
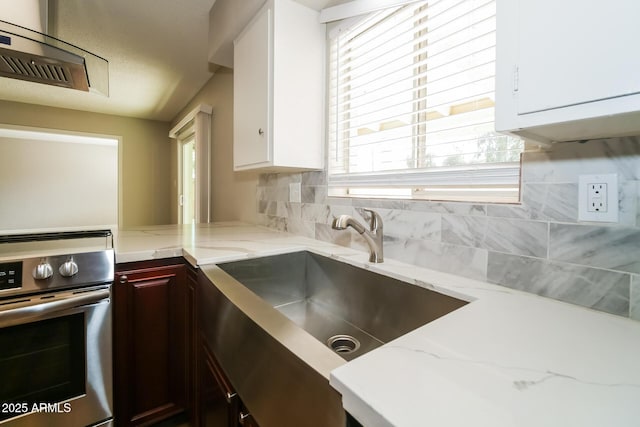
(27, 54)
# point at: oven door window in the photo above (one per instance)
(42, 362)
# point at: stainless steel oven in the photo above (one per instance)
(55, 329)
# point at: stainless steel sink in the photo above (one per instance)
(280, 324)
(329, 298)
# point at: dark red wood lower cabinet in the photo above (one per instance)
(151, 333)
(219, 403)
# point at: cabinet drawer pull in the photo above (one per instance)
(123, 278)
(230, 396)
(260, 132)
(243, 416)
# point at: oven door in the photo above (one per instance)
(55, 359)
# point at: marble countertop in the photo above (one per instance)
(205, 243)
(507, 358)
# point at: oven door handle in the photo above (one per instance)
(16, 315)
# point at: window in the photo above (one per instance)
(411, 111)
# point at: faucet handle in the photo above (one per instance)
(375, 223)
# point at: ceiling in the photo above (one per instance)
(157, 53)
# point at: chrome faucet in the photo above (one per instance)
(372, 236)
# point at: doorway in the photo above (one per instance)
(187, 198)
(193, 178)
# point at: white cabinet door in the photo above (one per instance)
(576, 51)
(251, 80)
(279, 89)
(567, 70)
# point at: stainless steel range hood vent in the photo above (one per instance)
(29, 55)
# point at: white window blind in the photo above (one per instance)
(412, 106)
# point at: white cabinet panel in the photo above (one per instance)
(279, 81)
(567, 70)
(560, 65)
(252, 74)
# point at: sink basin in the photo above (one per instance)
(349, 309)
(279, 325)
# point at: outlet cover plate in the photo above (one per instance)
(610, 213)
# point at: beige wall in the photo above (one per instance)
(233, 193)
(145, 156)
(40, 179)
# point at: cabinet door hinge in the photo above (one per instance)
(515, 79)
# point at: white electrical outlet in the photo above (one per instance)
(598, 198)
(295, 192)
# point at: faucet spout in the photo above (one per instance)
(344, 221)
(373, 236)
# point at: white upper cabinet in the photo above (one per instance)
(568, 70)
(251, 94)
(279, 90)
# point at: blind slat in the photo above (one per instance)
(501, 174)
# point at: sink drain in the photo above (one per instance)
(343, 344)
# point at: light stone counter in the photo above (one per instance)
(205, 243)
(506, 359)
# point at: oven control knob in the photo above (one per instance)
(68, 268)
(43, 270)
